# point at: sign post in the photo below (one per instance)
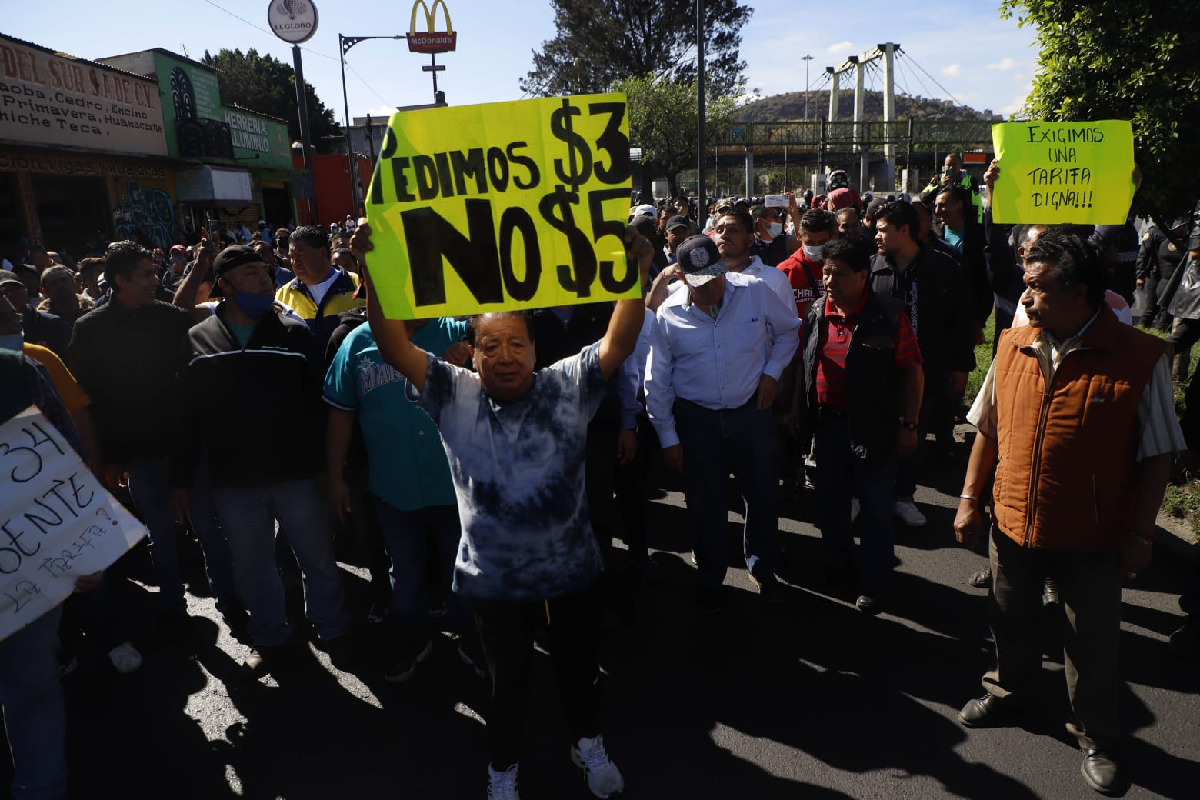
(432, 41)
(295, 22)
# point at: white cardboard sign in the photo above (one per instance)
(57, 521)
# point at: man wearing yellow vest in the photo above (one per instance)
(321, 290)
(1076, 417)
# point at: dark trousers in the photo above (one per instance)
(506, 631)
(1184, 334)
(631, 489)
(937, 415)
(743, 441)
(841, 475)
(600, 476)
(1154, 315)
(1090, 588)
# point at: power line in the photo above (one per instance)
(364, 83)
(935, 80)
(264, 30)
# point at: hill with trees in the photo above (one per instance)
(789, 106)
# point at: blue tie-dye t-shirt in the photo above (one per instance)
(518, 474)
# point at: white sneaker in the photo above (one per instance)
(125, 658)
(503, 785)
(908, 513)
(855, 508)
(603, 777)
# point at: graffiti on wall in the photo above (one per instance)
(146, 215)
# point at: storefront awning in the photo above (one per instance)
(213, 186)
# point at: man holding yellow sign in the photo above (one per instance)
(488, 225)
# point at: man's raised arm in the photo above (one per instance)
(391, 335)
(621, 337)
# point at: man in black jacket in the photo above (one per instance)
(861, 393)
(125, 355)
(935, 294)
(244, 358)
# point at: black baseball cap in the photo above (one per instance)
(699, 260)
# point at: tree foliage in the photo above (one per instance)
(602, 41)
(267, 85)
(1125, 59)
(663, 122)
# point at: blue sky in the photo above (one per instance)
(964, 46)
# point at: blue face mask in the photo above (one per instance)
(13, 342)
(254, 305)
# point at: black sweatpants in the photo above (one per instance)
(506, 631)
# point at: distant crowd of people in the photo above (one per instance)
(482, 467)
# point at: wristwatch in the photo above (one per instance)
(908, 424)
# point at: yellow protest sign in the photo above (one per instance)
(1063, 172)
(502, 206)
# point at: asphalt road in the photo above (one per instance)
(809, 699)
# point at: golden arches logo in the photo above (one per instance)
(431, 41)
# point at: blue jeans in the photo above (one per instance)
(150, 487)
(742, 440)
(408, 537)
(34, 710)
(840, 476)
(248, 518)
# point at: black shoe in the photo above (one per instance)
(870, 604)
(469, 654)
(987, 711)
(772, 593)
(1050, 593)
(342, 651)
(267, 657)
(981, 579)
(647, 571)
(1100, 772)
(171, 630)
(838, 579)
(1185, 642)
(405, 667)
(708, 599)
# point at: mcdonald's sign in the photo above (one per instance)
(432, 40)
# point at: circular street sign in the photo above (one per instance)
(294, 21)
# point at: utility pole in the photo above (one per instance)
(807, 59)
(701, 202)
(344, 45)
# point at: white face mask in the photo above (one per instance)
(814, 252)
(775, 229)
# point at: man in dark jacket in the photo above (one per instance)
(935, 295)
(861, 394)
(125, 355)
(245, 357)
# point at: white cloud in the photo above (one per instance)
(841, 48)
(1006, 63)
(1015, 106)
(952, 70)
(382, 111)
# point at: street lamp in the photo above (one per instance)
(344, 45)
(806, 59)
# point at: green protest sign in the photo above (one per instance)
(1063, 172)
(502, 206)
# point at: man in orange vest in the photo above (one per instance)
(1076, 416)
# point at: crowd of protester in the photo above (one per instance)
(482, 467)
